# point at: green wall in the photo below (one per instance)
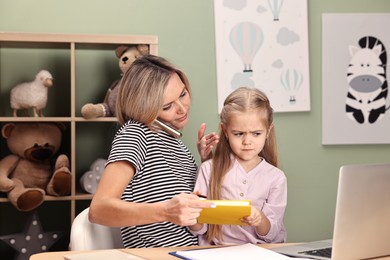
(186, 37)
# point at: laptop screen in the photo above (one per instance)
(362, 218)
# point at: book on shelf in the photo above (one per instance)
(228, 212)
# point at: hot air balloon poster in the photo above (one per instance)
(263, 44)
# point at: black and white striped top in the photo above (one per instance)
(164, 168)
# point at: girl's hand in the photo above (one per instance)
(254, 219)
(258, 220)
(205, 144)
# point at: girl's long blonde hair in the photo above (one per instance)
(242, 100)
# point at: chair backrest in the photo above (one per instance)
(85, 235)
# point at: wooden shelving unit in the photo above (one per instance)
(69, 68)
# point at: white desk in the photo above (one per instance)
(161, 253)
(148, 253)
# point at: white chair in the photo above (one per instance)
(85, 235)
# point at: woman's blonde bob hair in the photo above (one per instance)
(142, 88)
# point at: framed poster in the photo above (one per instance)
(264, 44)
(355, 101)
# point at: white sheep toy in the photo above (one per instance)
(32, 94)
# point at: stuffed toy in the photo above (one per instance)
(27, 174)
(90, 179)
(127, 55)
(31, 95)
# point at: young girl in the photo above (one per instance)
(244, 167)
(147, 183)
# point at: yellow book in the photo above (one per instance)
(227, 212)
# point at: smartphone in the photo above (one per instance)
(168, 129)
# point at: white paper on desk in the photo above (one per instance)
(245, 251)
(110, 254)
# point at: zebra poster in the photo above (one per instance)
(355, 99)
(264, 44)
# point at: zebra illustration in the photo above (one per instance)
(366, 75)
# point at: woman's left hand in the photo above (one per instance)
(205, 144)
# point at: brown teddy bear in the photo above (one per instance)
(127, 55)
(27, 173)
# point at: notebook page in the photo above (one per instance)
(245, 251)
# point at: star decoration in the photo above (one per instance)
(33, 240)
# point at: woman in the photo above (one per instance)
(150, 174)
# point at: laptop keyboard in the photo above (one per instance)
(324, 252)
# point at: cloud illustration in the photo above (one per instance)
(286, 36)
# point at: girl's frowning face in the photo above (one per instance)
(247, 135)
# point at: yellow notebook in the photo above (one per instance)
(227, 212)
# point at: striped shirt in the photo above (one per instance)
(164, 167)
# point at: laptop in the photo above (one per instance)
(362, 220)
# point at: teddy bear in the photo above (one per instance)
(27, 174)
(127, 54)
